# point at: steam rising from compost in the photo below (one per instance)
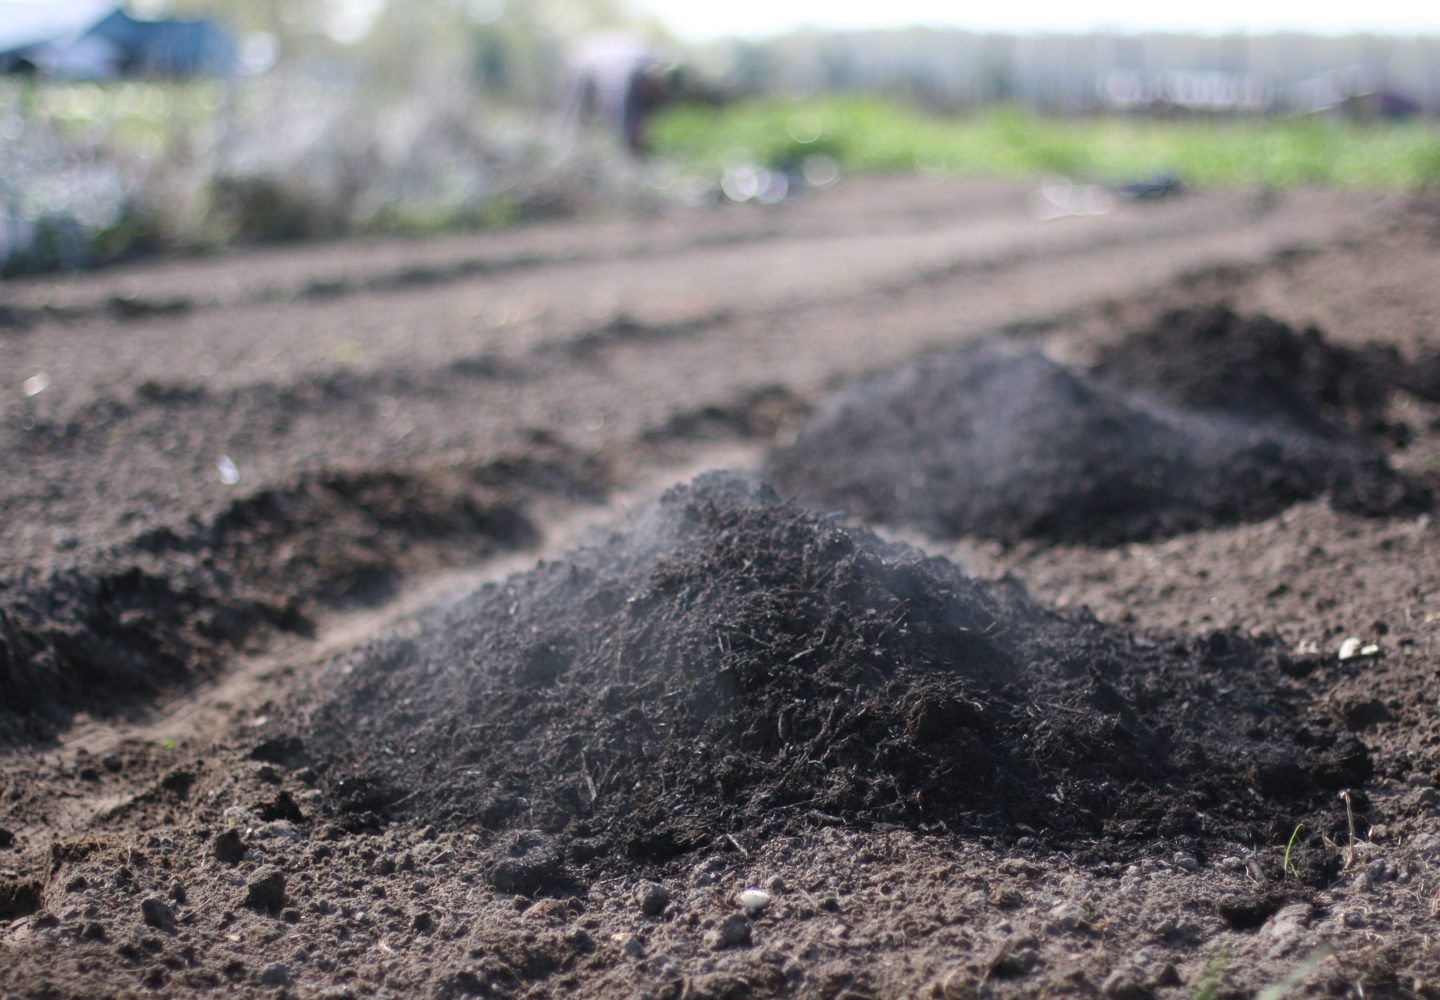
(732, 663)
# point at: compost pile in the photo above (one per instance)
(731, 663)
(1252, 366)
(1207, 419)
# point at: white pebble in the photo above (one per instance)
(753, 901)
(1067, 916)
(229, 471)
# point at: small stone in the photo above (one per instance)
(632, 947)
(1185, 861)
(960, 984)
(157, 913)
(652, 898)
(275, 974)
(733, 931)
(228, 847)
(1123, 984)
(1377, 872)
(775, 885)
(177, 891)
(528, 863)
(423, 922)
(1256, 870)
(1014, 962)
(1353, 648)
(1287, 925)
(1066, 916)
(1427, 846)
(265, 890)
(753, 901)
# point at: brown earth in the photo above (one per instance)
(265, 736)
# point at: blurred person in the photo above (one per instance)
(615, 79)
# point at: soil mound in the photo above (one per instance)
(1253, 366)
(166, 607)
(733, 664)
(1012, 446)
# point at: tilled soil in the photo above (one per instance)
(1133, 767)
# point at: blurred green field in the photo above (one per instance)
(94, 173)
(869, 134)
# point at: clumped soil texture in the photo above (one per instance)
(734, 663)
(944, 789)
(1215, 359)
(166, 607)
(1207, 418)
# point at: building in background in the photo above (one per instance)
(85, 40)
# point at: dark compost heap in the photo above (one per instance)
(733, 664)
(1207, 419)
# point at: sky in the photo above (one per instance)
(693, 19)
(706, 19)
(26, 21)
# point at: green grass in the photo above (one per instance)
(1212, 978)
(134, 117)
(870, 134)
(1289, 866)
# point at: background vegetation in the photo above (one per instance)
(430, 115)
(870, 134)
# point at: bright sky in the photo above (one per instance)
(695, 19)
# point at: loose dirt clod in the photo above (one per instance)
(652, 898)
(529, 863)
(157, 913)
(733, 931)
(1206, 419)
(265, 890)
(733, 665)
(228, 847)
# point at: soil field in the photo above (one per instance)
(374, 621)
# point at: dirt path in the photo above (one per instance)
(236, 470)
